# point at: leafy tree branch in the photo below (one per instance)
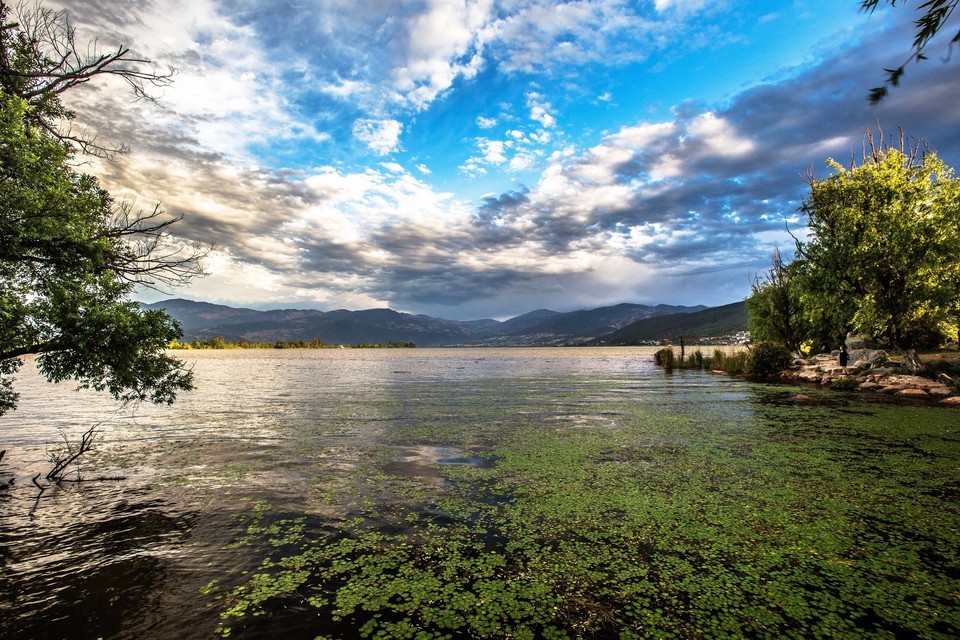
(70, 255)
(936, 13)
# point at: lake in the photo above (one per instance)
(479, 493)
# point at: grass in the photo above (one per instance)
(735, 362)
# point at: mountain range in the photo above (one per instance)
(620, 324)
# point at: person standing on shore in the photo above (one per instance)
(844, 357)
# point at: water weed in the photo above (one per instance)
(578, 512)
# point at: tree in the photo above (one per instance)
(69, 254)
(40, 61)
(883, 252)
(774, 308)
(936, 14)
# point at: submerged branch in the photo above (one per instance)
(60, 463)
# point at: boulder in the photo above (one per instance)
(912, 393)
(874, 375)
(867, 358)
(915, 382)
(858, 342)
(892, 388)
(939, 389)
(954, 400)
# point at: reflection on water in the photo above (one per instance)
(127, 558)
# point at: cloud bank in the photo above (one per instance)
(303, 142)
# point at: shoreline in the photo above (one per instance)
(823, 370)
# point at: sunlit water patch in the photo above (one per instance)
(482, 493)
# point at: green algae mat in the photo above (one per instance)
(587, 508)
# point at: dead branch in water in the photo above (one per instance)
(97, 479)
(62, 461)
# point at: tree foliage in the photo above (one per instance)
(935, 14)
(883, 252)
(881, 256)
(40, 61)
(69, 254)
(773, 307)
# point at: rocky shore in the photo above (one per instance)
(869, 370)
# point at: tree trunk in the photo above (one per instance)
(912, 361)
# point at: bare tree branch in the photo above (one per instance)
(63, 460)
(40, 60)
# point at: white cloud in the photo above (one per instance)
(441, 46)
(523, 161)
(719, 136)
(381, 136)
(346, 88)
(227, 94)
(642, 135)
(492, 151)
(486, 123)
(666, 166)
(687, 6)
(518, 152)
(540, 110)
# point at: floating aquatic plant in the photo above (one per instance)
(603, 517)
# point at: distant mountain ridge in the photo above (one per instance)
(204, 320)
(712, 322)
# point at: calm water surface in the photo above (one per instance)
(334, 436)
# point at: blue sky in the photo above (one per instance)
(483, 158)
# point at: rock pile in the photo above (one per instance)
(871, 370)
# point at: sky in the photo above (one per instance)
(470, 159)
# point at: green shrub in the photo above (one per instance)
(847, 383)
(946, 372)
(665, 358)
(730, 362)
(953, 383)
(768, 359)
(697, 361)
(716, 362)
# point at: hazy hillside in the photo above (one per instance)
(523, 324)
(604, 319)
(202, 320)
(711, 322)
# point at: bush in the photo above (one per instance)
(845, 384)
(768, 359)
(730, 362)
(664, 358)
(953, 383)
(696, 360)
(946, 372)
(734, 363)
